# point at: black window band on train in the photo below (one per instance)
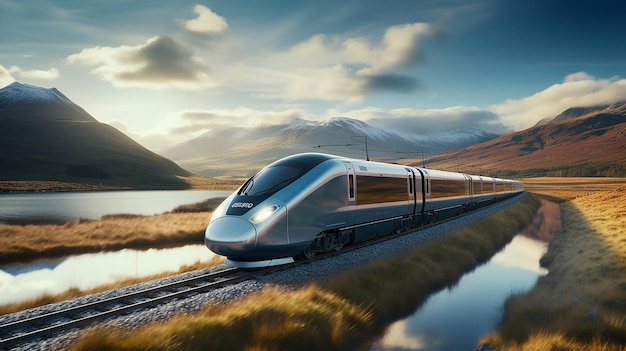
(447, 188)
(375, 190)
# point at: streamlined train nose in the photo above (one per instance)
(230, 236)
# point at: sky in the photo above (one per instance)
(165, 71)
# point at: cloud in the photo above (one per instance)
(159, 63)
(347, 69)
(391, 82)
(397, 48)
(5, 77)
(199, 121)
(50, 74)
(337, 83)
(432, 121)
(207, 22)
(577, 90)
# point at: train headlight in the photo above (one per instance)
(264, 213)
(219, 211)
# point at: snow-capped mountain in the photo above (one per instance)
(242, 151)
(44, 136)
(31, 100)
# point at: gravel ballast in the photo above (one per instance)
(289, 278)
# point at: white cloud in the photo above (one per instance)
(50, 74)
(430, 121)
(337, 83)
(159, 63)
(347, 69)
(577, 90)
(5, 77)
(195, 122)
(207, 22)
(397, 48)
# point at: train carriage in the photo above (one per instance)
(310, 203)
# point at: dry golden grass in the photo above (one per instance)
(183, 225)
(571, 187)
(192, 182)
(346, 313)
(581, 303)
(21, 242)
(309, 319)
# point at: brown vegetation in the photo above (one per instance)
(342, 314)
(596, 141)
(191, 182)
(114, 232)
(581, 303)
(562, 189)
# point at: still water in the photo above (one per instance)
(19, 281)
(72, 206)
(22, 281)
(455, 319)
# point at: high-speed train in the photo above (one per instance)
(310, 203)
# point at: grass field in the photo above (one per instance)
(581, 303)
(348, 312)
(564, 189)
(185, 225)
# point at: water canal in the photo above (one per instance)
(452, 319)
(456, 318)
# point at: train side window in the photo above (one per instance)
(351, 185)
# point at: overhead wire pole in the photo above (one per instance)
(367, 155)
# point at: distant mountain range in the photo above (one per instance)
(44, 136)
(581, 141)
(242, 151)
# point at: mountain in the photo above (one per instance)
(242, 151)
(579, 141)
(575, 112)
(44, 136)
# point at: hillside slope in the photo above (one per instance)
(44, 136)
(565, 144)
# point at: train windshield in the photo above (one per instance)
(280, 174)
(269, 180)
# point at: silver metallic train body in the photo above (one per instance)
(309, 203)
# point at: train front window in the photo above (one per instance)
(269, 180)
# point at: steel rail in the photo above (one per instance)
(48, 325)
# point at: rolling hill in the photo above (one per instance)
(243, 151)
(589, 141)
(44, 136)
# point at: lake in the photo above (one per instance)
(71, 206)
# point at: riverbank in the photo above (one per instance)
(193, 182)
(342, 311)
(182, 226)
(581, 303)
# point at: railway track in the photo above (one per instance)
(48, 325)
